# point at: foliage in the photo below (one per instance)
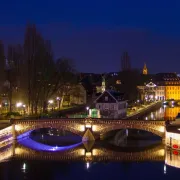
(13, 114)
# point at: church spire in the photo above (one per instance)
(103, 86)
(145, 70)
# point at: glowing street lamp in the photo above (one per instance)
(87, 108)
(51, 101)
(58, 99)
(19, 104)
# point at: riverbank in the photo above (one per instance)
(143, 110)
(5, 121)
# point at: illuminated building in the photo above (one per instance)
(165, 86)
(111, 104)
(145, 70)
(171, 82)
(152, 92)
(173, 136)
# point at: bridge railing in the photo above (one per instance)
(97, 119)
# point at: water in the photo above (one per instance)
(163, 113)
(54, 155)
(33, 165)
(37, 170)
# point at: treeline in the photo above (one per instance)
(31, 74)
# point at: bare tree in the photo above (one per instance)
(43, 77)
(2, 63)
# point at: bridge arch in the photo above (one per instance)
(156, 128)
(29, 127)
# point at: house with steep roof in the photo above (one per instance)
(111, 104)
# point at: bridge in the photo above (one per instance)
(89, 129)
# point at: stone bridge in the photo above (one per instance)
(89, 129)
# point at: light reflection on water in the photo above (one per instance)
(30, 164)
(85, 161)
(164, 113)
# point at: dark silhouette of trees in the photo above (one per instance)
(31, 73)
(2, 63)
(42, 75)
(12, 68)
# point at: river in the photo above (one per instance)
(51, 154)
(163, 113)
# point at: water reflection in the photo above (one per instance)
(97, 161)
(164, 113)
(82, 153)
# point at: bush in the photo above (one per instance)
(13, 114)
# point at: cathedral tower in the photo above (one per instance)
(103, 85)
(145, 70)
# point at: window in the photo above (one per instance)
(106, 98)
(118, 81)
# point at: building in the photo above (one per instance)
(171, 82)
(111, 104)
(145, 70)
(152, 92)
(164, 86)
(173, 136)
(100, 88)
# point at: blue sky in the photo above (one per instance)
(95, 33)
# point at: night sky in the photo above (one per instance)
(95, 32)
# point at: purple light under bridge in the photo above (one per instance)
(26, 141)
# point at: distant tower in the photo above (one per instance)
(125, 62)
(103, 86)
(145, 70)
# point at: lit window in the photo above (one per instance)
(106, 98)
(118, 81)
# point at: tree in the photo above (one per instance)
(35, 61)
(13, 64)
(59, 81)
(42, 76)
(2, 64)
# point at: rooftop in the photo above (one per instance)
(117, 95)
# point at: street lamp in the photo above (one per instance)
(50, 101)
(87, 108)
(58, 99)
(19, 104)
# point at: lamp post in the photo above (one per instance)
(51, 103)
(59, 100)
(19, 105)
(87, 108)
